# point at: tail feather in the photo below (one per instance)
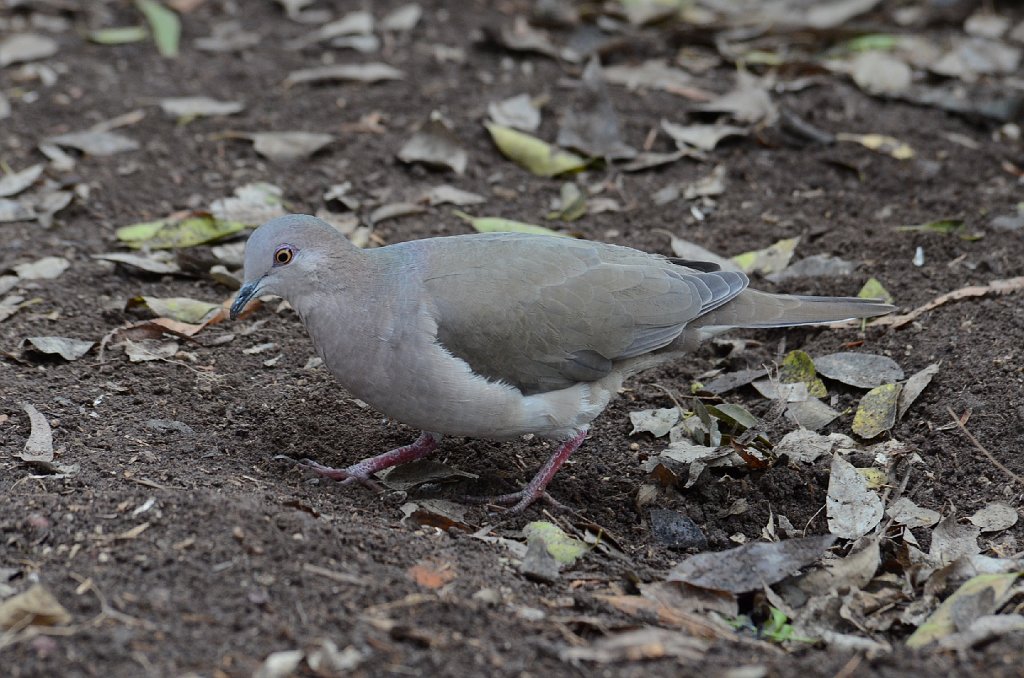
(753, 308)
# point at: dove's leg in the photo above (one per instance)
(363, 471)
(519, 501)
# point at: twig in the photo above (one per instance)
(981, 448)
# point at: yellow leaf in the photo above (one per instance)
(880, 143)
(539, 157)
(771, 259)
(877, 410)
(499, 225)
(182, 309)
(873, 289)
(176, 233)
(797, 367)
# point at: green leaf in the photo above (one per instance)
(771, 259)
(176, 233)
(734, 415)
(165, 25)
(873, 289)
(182, 309)
(563, 548)
(872, 42)
(797, 367)
(500, 225)
(943, 226)
(121, 35)
(876, 413)
(539, 157)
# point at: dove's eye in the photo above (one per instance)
(283, 255)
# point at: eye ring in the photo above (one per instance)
(283, 255)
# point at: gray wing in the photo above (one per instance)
(544, 313)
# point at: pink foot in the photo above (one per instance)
(362, 472)
(534, 491)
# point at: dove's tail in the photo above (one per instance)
(752, 308)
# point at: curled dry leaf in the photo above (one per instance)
(752, 566)
(703, 137)
(852, 509)
(979, 596)
(913, 388)
(435, 145)
(282, 146)
(197, 107)
(364, 73)
(656, 422)
(96, 142)
(39, 446)
(450, 195)
(159, 262)
(65, 347)
(519, 112)
(34, 607)
(16, 182)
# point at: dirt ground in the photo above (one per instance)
(244, 555)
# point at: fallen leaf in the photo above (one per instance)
(363, 73)
(13, 210)
(798, 368)
(995, 517)
(178, 231)
(402, 19)
(438, 513)
(280, 664)
(590, 124)
(97, 143)
(863, 370)
(985, 593)
(952, 541)
(690, 251)
(165, 25)
(182, 309)
(805, 446)
(879, 143)
(703, 137)
(189, 108)
(811, 413)
(394, 210)
(913, 388)
(518, 112)
(282, 146)
(905, 512)
(450, 195)
(47, 268)
(159, 263)
(570, 205)
(752, 566)
(435, 145)
(251, 204)
(65, 347)
(880, 74)
(877, 410)
(416, 474)
(39, 446)
(814, 266)
(521, 37)
(23, 47)
(748, 103)
(731, 380)
(119, 35)
(656, 422)
(982, 630)
(500, 225)
(771, 259)
(355, 23)
(656, 74)
(146, 350)
(14, 183)
(851, 508)
(536, 156)
(564, 549)
(873, 289)
(34, 607)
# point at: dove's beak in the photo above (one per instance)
(245, 295)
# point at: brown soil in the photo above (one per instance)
(217, 581)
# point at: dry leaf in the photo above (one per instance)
(39, 446)
(852, 509)
(432, 574)
(34, 607)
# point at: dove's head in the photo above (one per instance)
(286, 257)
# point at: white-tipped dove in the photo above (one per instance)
(498, 335)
